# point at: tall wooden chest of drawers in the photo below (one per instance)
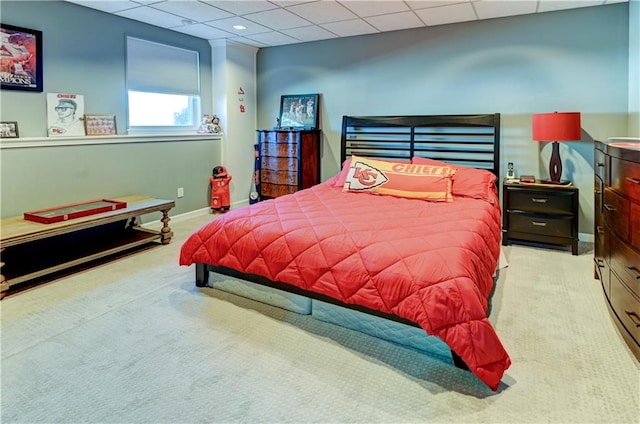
(289, 161)
(617, 235)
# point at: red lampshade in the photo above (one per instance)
(557, 126)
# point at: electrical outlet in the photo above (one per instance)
(180, 191)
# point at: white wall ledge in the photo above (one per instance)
(13, 143)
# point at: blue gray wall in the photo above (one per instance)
(572, 60)
(84, 53)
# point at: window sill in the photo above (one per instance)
(12, 143)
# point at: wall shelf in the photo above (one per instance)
(15, 143)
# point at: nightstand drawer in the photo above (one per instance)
(548, 202)
(541, 225)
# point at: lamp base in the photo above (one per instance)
(558, 183)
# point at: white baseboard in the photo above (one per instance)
(586, 237)
(192, 214)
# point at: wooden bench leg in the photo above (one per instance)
(165, 233)
(4, 286)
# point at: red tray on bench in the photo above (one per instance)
(75, 210)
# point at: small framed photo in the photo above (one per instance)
(9, 129)
(299, 111)
(100, 124)
(21, 60)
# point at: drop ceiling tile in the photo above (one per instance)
(441, 15)
(152, 16)
(273, 38)
(364, 8)
(323, 12)
(203, 31)
(309, 33)
(107, 6)
(424, 4)
(278, 19)
(349, 28)
(550, 5)
(195, 10)
(395, 21)
(287, 3)
(250, 27)
(488, 9)
(241, 7)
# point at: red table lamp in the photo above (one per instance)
(557, 126)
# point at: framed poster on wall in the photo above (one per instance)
(20, 59)
(299, 111)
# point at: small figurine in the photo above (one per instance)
(215, 121)
(210, 125)
(220, 196)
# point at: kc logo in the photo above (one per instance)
(364, 177)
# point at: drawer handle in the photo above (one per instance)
(538, 200)
(539, 224)
(633, 180)
(600, 164)
(634, 317)
(600, 262)
(634, 272)
(609, 208)
(599, 229)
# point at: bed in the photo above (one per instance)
(409, 231)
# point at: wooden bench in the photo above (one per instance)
(31, 250)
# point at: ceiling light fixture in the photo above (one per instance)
(239, 27)
(188, 22)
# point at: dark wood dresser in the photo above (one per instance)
(540, 214)
(617, 234)
(289, 161)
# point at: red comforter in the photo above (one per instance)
(431, 263)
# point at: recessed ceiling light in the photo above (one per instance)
(239, 27)
(188, 22)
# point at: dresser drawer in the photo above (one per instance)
(626, 306)
(600, 164)
(278, 177)
(634, 225)
(556, 226)
(616, 213)
(279, 149)
(279, 164)
(276, 190)
(549, 202)
(625, 262)
(625, 178)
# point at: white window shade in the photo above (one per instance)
(158, 68)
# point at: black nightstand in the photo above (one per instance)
(540, 214)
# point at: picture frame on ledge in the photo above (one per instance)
(299, 111)
(9, 129)
(21, 61)
(100, 124)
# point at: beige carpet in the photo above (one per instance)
(133, 341)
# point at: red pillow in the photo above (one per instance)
(400, 179)
(467, 182)
(342, 175)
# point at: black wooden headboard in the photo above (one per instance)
(470, 140)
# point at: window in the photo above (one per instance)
(163, 87)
